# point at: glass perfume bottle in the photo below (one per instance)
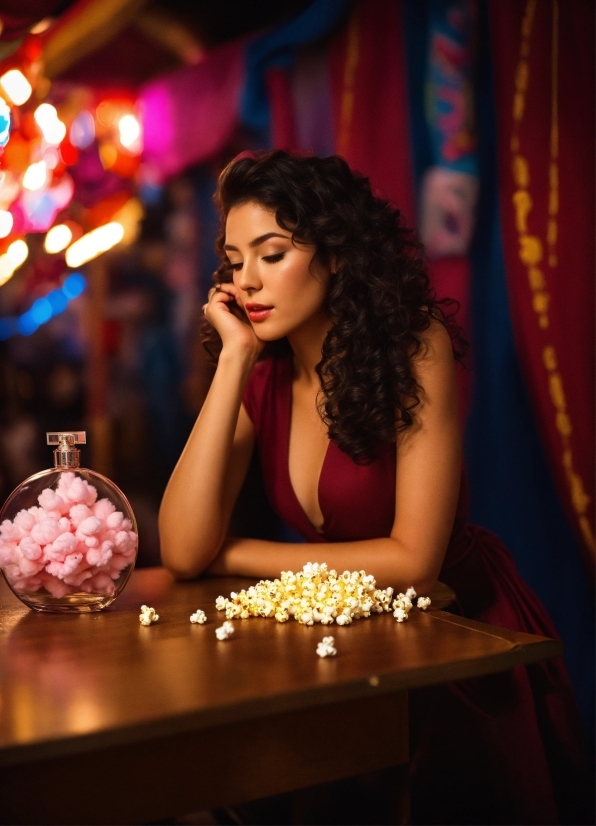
(68, 536)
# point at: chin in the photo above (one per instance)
(267, 335)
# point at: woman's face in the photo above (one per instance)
(281, 288)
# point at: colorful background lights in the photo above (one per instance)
(43, 309)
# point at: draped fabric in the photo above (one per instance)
(370, 104)
(190, 115)
(544, 87)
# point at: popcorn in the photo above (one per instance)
(224, 631)
(326, 648)
(318, 594)
(400, 614)
(199, 617)
(314, 595)
(147, 615)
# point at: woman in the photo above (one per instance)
(337, 359)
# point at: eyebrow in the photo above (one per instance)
(256, 241)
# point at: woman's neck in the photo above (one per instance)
(307, 346)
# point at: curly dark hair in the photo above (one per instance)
(380, 300)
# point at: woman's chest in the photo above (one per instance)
(345, 502)
(307, 449)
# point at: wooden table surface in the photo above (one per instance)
(99, 701)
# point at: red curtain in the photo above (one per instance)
(368, 82)
(543, 57)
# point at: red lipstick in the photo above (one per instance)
(257, 312)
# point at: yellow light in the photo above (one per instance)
(94, 243)
(108, 155)
(130, 130)
(6, 222)
(16, 86)
(42, 26)
(18, 252)
(36, 176)
(7, 268)
(130, 216)
(57, 238)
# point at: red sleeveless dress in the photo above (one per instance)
(499, 749)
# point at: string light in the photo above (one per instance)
(6, 223)
(16, 86)
(52, 128)
(15, 255)
(130, 131)
(92, 244)
(58, 238)
(7, 269)
(43, 309)
(18, 252)
(36, 176)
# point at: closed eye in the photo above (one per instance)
(235, 267)
(273, 259)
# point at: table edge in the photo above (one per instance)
(534, 650)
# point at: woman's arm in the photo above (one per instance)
(199, 498)
(427, 488)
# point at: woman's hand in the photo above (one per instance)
(224, 311)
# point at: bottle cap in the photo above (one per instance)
(66, 454)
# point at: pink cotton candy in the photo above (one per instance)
(126, 525)
(31, 583)
(65, 524)
(49, 500)
(101, 583)
(75, 489)
(62, 569)
(10, 532)
(122, 541)
(45, 531)
(92, 542)
(100, 556)
(115, 520)
(116, 564)
(79, 576)
(88, 527)
(57, 588)
(29, 567)
(103, 508)
(12, 571)
(23, 521)
(78, 514)
(8, 553)
(63, 545)
(37, 513)
(29, 548)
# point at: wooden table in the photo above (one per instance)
(103, 720)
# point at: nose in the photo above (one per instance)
(248, 277)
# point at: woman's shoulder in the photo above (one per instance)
(437, 346)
